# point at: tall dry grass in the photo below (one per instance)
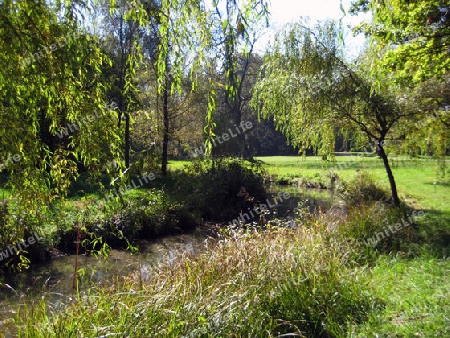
(302, 282)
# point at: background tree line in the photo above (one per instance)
(184, 71)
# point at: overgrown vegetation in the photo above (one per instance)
(317, 279)
(95, 94)
(249, 284)
(220, 189)
(105, 220)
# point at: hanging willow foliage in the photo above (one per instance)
(312, 93)
(51, 81)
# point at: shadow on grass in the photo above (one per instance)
(434, 232)
(85, 186)
(258, 162)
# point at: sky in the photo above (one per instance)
(284, 11)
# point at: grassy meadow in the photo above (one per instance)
(419, 181)
(317, 280)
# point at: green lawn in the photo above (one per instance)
(418, 180)
(416, 298)
(177, 164)
(415, 291)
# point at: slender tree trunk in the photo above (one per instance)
(166, 130)
(240, 140)
(387, 167)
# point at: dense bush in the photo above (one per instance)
(361, 190)
(118, 225)
(17, 225)
(212, 190)
(220, 189)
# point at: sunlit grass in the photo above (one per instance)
(177, 164)
(416, 294)
(267, 283)
(419, 180)
(319, 280)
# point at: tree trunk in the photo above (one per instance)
(387, 167)
(166, 130)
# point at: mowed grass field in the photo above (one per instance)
(419, 181)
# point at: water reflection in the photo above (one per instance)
(314, 200)
(54, 279)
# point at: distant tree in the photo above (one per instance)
(123, 39)
(311, 93)
(232, 110)
(235, 36)
(195, 30)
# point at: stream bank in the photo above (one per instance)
(53, 279)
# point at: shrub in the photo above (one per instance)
(220, 189)
(17, 225)
(371, 229)
(119, 224)
(362, 190)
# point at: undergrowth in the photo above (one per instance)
(302, 282)
(315, 277)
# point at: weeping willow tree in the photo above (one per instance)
(409, 43)
(53, 113)
(55, 120)
(312, 94)
(428, 130)
(51, 80)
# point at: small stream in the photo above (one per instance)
(54, 279)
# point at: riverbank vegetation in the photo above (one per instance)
(203, 191)
(315, 280)
(318, 278)
(124, 121)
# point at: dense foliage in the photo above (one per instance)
(97, 96)
(64, 66)
(313, 95)
(221, 189)
(412, 37)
